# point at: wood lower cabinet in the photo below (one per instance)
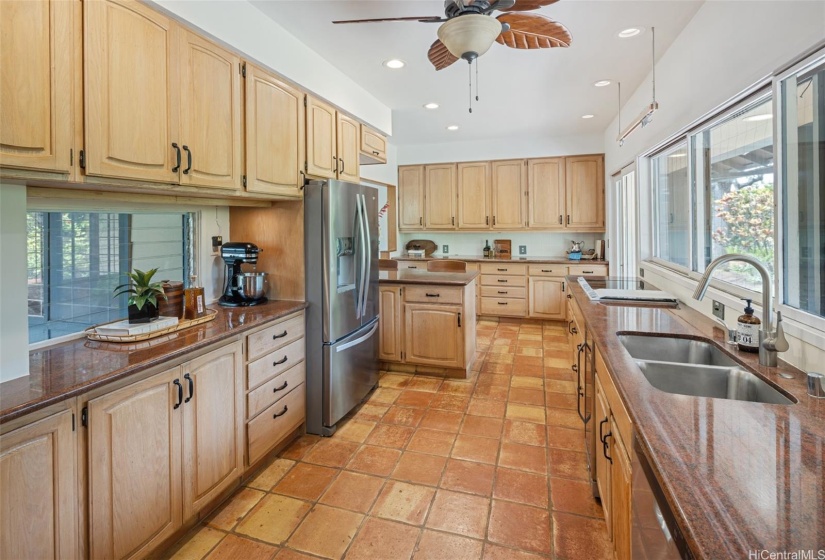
(38, 485)
(585, 192)
(131, 70)
(545, 193)
(411, 197)
(547, 298)
(601, 418)
(389, 333)
(434, 334)
(509, 179)
(348, 130)
(37, 45)
(620, 495)
(275, 131)
(439, 196)
(474, 192)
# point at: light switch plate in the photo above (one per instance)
(522, 249)
(445, 249)
(719, 309)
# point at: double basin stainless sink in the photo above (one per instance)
(696, 368)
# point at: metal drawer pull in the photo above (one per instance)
(375, 152)
(587, 272)
(433, 295)
(546, 270)
(191, 387)
(502, 303)
(281, 413)
(180, 394)
(281, 388)
(575, 330)
(502, 269)
(279, 362)
(503, 281)
(412, 267)
(277, 336)
(575, 367)
(503, 292)
(188, 160)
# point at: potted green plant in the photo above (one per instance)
(143, 295)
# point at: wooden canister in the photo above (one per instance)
(172, 306)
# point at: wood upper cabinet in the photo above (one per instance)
(474, 194)
(546, 193)
(585, 192)
(135, 467)
(373, 146)
(547, 299)
(131, 67)
(348, 143)
(210, 114)
(213, 422)
(508, 183)
(439, 196)
(37, 45)
(38, 483)
(411, 197)
(275, 130)
(322, 156)
(389, 334)
(434, 335)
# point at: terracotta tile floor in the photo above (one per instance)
(491, 468)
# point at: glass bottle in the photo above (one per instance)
(195, 304)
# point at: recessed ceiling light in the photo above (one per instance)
(588, 116)
(431, 106)
(394, 63)
(452, 127)
(755, 118)
(602, 83)
(630, 32)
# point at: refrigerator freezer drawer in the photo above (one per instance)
(350, 372)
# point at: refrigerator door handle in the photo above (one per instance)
(358, 341)
(359, 212)
(367, 240)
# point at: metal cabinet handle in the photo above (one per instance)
(459, 319)
(376, 152)
(575, 367)
(335, 162)
(562, 286)
(277, 336)
(502, 269)
(569, 296)
(433, 295)
(503, 281)
(604, 447)
(420, 221)
(570, 327)
(543, 270)
(453, 220)
(494, 220)
(284, 411)
(281, 388)
(568, 219)
(412, 267)
(487, 220)
(180, 393)
(191, 387)
(601, 426)
(575, 330)
(503, 292)
(502, 303)
(561, 219)
(177, 157)
(342, 164)
(279, 362)
(188, 159)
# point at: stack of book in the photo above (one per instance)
(124, 328)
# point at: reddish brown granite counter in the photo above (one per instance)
(66, 370)
(739, 476)
(514, 259)
(424, 277)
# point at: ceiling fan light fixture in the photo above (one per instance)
(394, 63)
(469, 36)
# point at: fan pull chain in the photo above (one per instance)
(470, 74)
(476, 63)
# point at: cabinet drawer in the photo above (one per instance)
(502, 306)
(420, 265)
(548, 270)
(503, 292)
(432, 294)
(275, 389)
(503, 268)
(496, 280)
(272, 364)
(275, 337)
(588, 270)
(276, 422)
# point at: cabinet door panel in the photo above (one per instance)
(508, 194)
(321, 149)
(439, 196)
(36, 48)
(620, 496)
(134, 468)
(601, 416)
(131, 73)
(348, 166)
(474, 195)
(275, 143)
(545, 200)
(39, 489)
(373, 143)
(389, 341)
(210, 113)
(212, 426)
(585, 192)
(433, 335)
(547, 298)
(411, 197)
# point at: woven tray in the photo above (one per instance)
(184, 324)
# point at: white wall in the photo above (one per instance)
(14, 334)
(245, 28)
(539, 244)
(723, 51)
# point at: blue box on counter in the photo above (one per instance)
(577, 256)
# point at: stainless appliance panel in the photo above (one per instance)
(370, 205)
(343, 257)
(350, 372)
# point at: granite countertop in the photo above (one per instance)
(739, 476)
(424, 277)
(63, 371)
(514, 259)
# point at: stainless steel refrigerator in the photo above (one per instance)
(341, 253)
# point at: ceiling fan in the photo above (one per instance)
(468, 29)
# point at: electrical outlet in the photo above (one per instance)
(217, 241)
(522, 249)
(445, 249)
(719, 309)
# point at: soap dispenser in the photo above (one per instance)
(747, 330)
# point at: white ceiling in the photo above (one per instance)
(523, 93)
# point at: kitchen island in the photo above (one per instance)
(735, 476)
(428, 321)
